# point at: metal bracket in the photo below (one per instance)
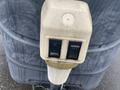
(39, 87)
(47, 87)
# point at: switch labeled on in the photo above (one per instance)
(55, 48)
(73, 50)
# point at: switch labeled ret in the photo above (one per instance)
(54, 48)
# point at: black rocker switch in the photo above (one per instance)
(55, 48)
(73, 50)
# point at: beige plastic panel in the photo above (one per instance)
(65, 20)
(58, 76)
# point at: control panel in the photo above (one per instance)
(66, 29)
